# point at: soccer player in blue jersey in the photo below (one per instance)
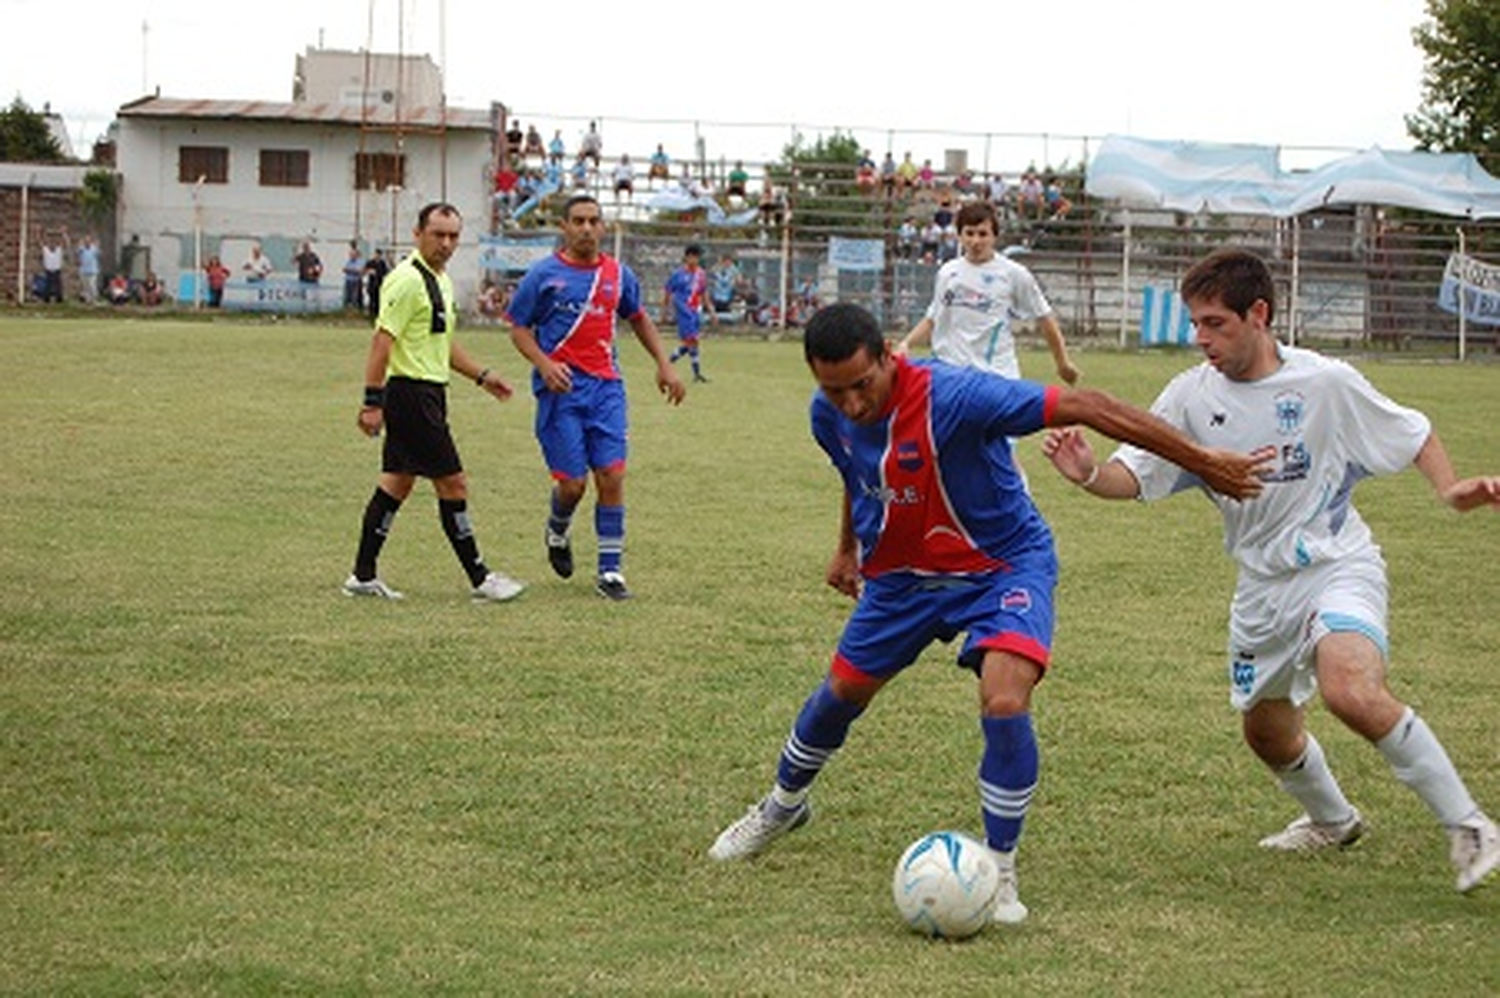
(684, 298)
(563, 317)
(1309, 609)
(939, 537)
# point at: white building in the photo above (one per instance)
(210, 177)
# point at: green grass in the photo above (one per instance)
(222, 777)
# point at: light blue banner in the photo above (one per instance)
(1480, 285)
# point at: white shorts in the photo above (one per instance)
(1275, 624)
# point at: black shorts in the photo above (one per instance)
(417, 438)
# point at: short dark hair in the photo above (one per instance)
(836, 333)
(693, 249)
(1236, 277)
(976, 212)
(436, 208)
(578, 199)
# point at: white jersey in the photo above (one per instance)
(1330, 428)
(972, 308)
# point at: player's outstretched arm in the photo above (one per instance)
(1226, 472)
(1461, 494)
(1069, 451)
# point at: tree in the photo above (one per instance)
(820, 181)
(25, 137)
(1460, 110)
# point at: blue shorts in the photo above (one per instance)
(898, 616)
(583, 429)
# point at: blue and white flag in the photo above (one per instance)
(1164, 317)
(1480, 285)
(856, 254)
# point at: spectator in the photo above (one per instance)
(506, 180)
(88, 270)
(118, 290)
(257, 265)
(932, 241)
(926, 177)
(515, 139)
(724, 284)
(907, 238)
(592, 146)
(354, 277)
(770, 203)
(52, 271)
(738, 181)
(624, 177)
(661, 166)
(1031, 195)
(1058, 204)
(217, 275)
(580, 172)
(375, 270)
(556, 149)
(150, 290)
(888, 178)
(906, 173)
(309, 266)
(533, 148)
(865, 177)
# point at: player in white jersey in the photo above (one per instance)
(975, 299)
(1309, 609)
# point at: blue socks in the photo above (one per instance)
(818, 733)
(1007, 777)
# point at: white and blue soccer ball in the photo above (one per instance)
(945, 885)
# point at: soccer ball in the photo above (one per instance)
(945, 885)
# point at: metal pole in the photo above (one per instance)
(1463, 319)
(1125, 279)
(1292, 310)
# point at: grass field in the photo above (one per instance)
(223, 777)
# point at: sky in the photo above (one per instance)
(1317, 77)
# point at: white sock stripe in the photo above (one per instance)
(1005, 802)
(805, 756)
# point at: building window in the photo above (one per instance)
(379, 171)
(284, 167)
(210, 163)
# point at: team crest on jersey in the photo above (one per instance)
(908, 455)
(1016, 600)
(1289, 411)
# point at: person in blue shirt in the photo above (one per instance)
(684, 294)
(938, 538)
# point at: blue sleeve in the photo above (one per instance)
(630, 294)
(524, 302)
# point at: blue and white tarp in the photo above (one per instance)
(1248, 180)
(681, 200)
(1479, 285)
(856, 254)
(1164, 317)
(513, 256)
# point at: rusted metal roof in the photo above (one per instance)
(386, 116)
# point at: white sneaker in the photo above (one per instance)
(498, 587)
(763, 824)
(1008, 907)
(372, 587)
(1475, 852)
(1306, 835)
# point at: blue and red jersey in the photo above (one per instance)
(572, 308)
(687, 288)
(934, 488)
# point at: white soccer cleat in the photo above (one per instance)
(1475, 852)
(763, 824)
(1306, 835)
(369, 587)
(1008, 907)
(498, 587)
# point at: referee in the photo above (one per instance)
(406, 379)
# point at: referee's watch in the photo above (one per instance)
(479, 378)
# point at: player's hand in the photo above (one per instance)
(557, 377)
(1236, 475)
(1069, 451)
(669, 384)
(1069, 372)
(497, 386)
(371, 419)
(1472, 493)
(843, 573)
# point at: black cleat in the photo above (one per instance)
(611, 585)
(560, 554)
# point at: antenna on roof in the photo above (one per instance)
(145, 29)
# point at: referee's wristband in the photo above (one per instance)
(479, 378)
(374, 396)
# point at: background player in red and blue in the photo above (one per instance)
(939, 537)
(685, 291)
(563, 317)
